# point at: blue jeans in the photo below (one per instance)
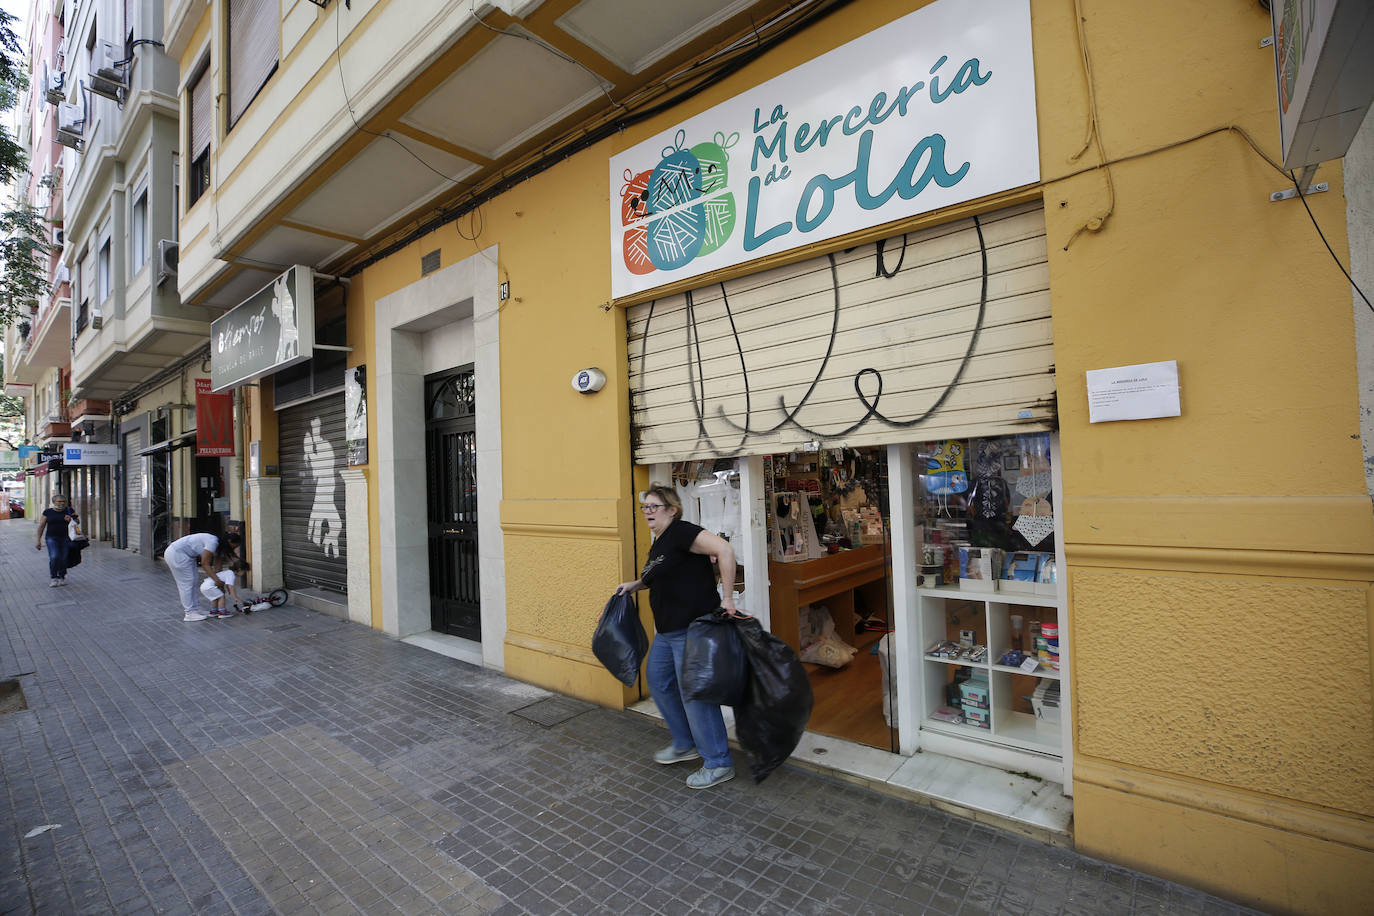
(57, 557)
(691, 724)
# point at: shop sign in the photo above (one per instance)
(29, 453)
(355, 414)
(214, 422)
(929, 111)
(1325, 82)
(86, 453)
(270, 330)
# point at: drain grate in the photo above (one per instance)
(11, 697)
(284, 626)
(553, 711)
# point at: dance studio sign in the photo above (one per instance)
(933, 109)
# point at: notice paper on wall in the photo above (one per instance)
(1140, 392)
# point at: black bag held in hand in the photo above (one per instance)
(620, 641)
(777, 705)
(714, 666)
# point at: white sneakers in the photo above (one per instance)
(196, 616)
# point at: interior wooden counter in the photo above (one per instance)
(830, 579)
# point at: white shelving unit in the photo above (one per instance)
(1016, 739)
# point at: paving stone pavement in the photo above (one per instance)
(289, 762)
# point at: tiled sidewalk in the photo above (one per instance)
(288, 762)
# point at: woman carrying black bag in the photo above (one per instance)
(682, 587)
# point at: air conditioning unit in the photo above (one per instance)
(166, 260)
(107, 71)
(54, 86)
(71, 121)
(96, 321)
(59, 238)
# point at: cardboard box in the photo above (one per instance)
(974, 691)
(974, 715)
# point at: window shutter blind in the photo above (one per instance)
(891, 345)
(253, 43)
(200, 114)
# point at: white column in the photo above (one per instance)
(359, 546)
(264, 527)
(753, 546)
(904, 649)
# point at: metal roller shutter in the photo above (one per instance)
(932, 335)
(134, 510)
(311, 453)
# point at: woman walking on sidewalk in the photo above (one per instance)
(183, 555)
(54, 529)
(682, 587)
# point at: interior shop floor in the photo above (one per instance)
(849, 700)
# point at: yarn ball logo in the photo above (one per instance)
(679, 210)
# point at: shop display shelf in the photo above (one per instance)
(958, 730)
(953, 591)
(958, 662)
(1024, 730)
(1048, 673)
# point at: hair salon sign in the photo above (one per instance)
(928, 111)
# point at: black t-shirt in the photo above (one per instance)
(682, 584)
(57, 522)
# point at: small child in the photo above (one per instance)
(224, 580)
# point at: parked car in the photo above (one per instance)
(14, 495)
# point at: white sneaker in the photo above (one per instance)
(54, 583)
(197, 616)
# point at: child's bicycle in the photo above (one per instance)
(260, 602)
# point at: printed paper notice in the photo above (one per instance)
(1140, 392)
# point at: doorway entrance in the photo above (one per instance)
(451, 472)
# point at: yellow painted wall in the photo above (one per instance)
(1219, 563)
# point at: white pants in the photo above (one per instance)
(184, 572)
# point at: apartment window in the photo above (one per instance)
(254, 42)
(103, 266)
(199, 135)
(129, 10)
(138, 232)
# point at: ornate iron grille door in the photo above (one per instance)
(451, 464)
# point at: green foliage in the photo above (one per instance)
(23, 249)
(23, 230)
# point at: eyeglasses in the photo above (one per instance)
(651, 508)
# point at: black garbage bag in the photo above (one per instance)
(777, 705)
(620, 641)
(74, 549)
(714, 666)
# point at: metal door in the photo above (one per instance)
(160, 500)
(312, 452)
(451, 464)
(133, 490)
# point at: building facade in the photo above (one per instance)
(483, 274)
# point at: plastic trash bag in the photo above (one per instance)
(714, 666)
(620, 642)
(777, 705)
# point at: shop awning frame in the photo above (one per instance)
(182, 440)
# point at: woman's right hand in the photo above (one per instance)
(629, 588)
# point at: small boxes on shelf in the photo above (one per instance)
(979, 568)
(974, 692)
(976, 715)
